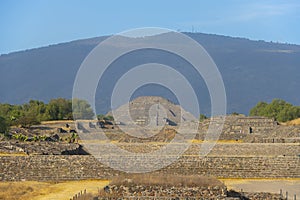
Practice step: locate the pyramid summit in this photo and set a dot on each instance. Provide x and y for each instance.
(151, 111)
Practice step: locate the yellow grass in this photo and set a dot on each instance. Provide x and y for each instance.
(57, 122)
(218, 141)
(159, 143)
(32, 190)
(293, 122)
(65, 121)
(257, 179)
(13, 154)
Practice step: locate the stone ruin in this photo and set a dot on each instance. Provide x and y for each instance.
(163, 192)
(240, 124)
(41, 148)
(152, 111)
(252, 129)
(174, 187)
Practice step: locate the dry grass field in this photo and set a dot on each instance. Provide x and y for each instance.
(13, 154)
(294, 122)
(32, 190)
(57, 122)
(195, 141)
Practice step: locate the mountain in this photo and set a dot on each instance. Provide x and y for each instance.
(252, 71)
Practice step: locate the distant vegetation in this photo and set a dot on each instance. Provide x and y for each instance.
(105, 117)
(202, 117)
(3, 125)
(36, 111)
(278, 109)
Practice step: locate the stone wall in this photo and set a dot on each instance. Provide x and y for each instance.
(242, 125)
(77, 167)
(41, 148)
(137, 192)
(222, 149)
(249, 149)
(238, 167)
(252, 129)
(163, 192)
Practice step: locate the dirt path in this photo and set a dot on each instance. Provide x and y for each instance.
(292, 186)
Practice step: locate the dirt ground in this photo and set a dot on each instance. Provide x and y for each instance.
(33, 190)
(292, 186)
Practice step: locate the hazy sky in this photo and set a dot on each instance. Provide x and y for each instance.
(26, 24)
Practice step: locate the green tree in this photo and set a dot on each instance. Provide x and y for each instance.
(3, 125)
(82, 109)
(10, 112)
(28, 119)
(36, 111)
(37, 108)
(275, 107)
(258, 109)
(288, 113)
(58, 109)
(109, 118)
(5, 110)
(278, 109)
(15, 113)
(202, 117)
(28, 114)
(100, 117)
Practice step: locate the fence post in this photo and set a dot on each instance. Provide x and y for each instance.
(287, 195)
(281, 193)
(295, 197)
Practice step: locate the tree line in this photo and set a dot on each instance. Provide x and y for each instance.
(36, 111)
(278, 109)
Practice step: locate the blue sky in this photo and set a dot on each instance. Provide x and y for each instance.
(26, 24)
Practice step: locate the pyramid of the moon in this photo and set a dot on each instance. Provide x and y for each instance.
(151, 110)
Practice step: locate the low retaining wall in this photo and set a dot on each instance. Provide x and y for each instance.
(77, 167)
(163, 192)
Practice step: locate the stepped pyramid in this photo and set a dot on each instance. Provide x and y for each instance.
(151, 111)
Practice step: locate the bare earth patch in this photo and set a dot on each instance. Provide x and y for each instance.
(292, 186)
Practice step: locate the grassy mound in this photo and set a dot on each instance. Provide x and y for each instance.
(166, 180)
